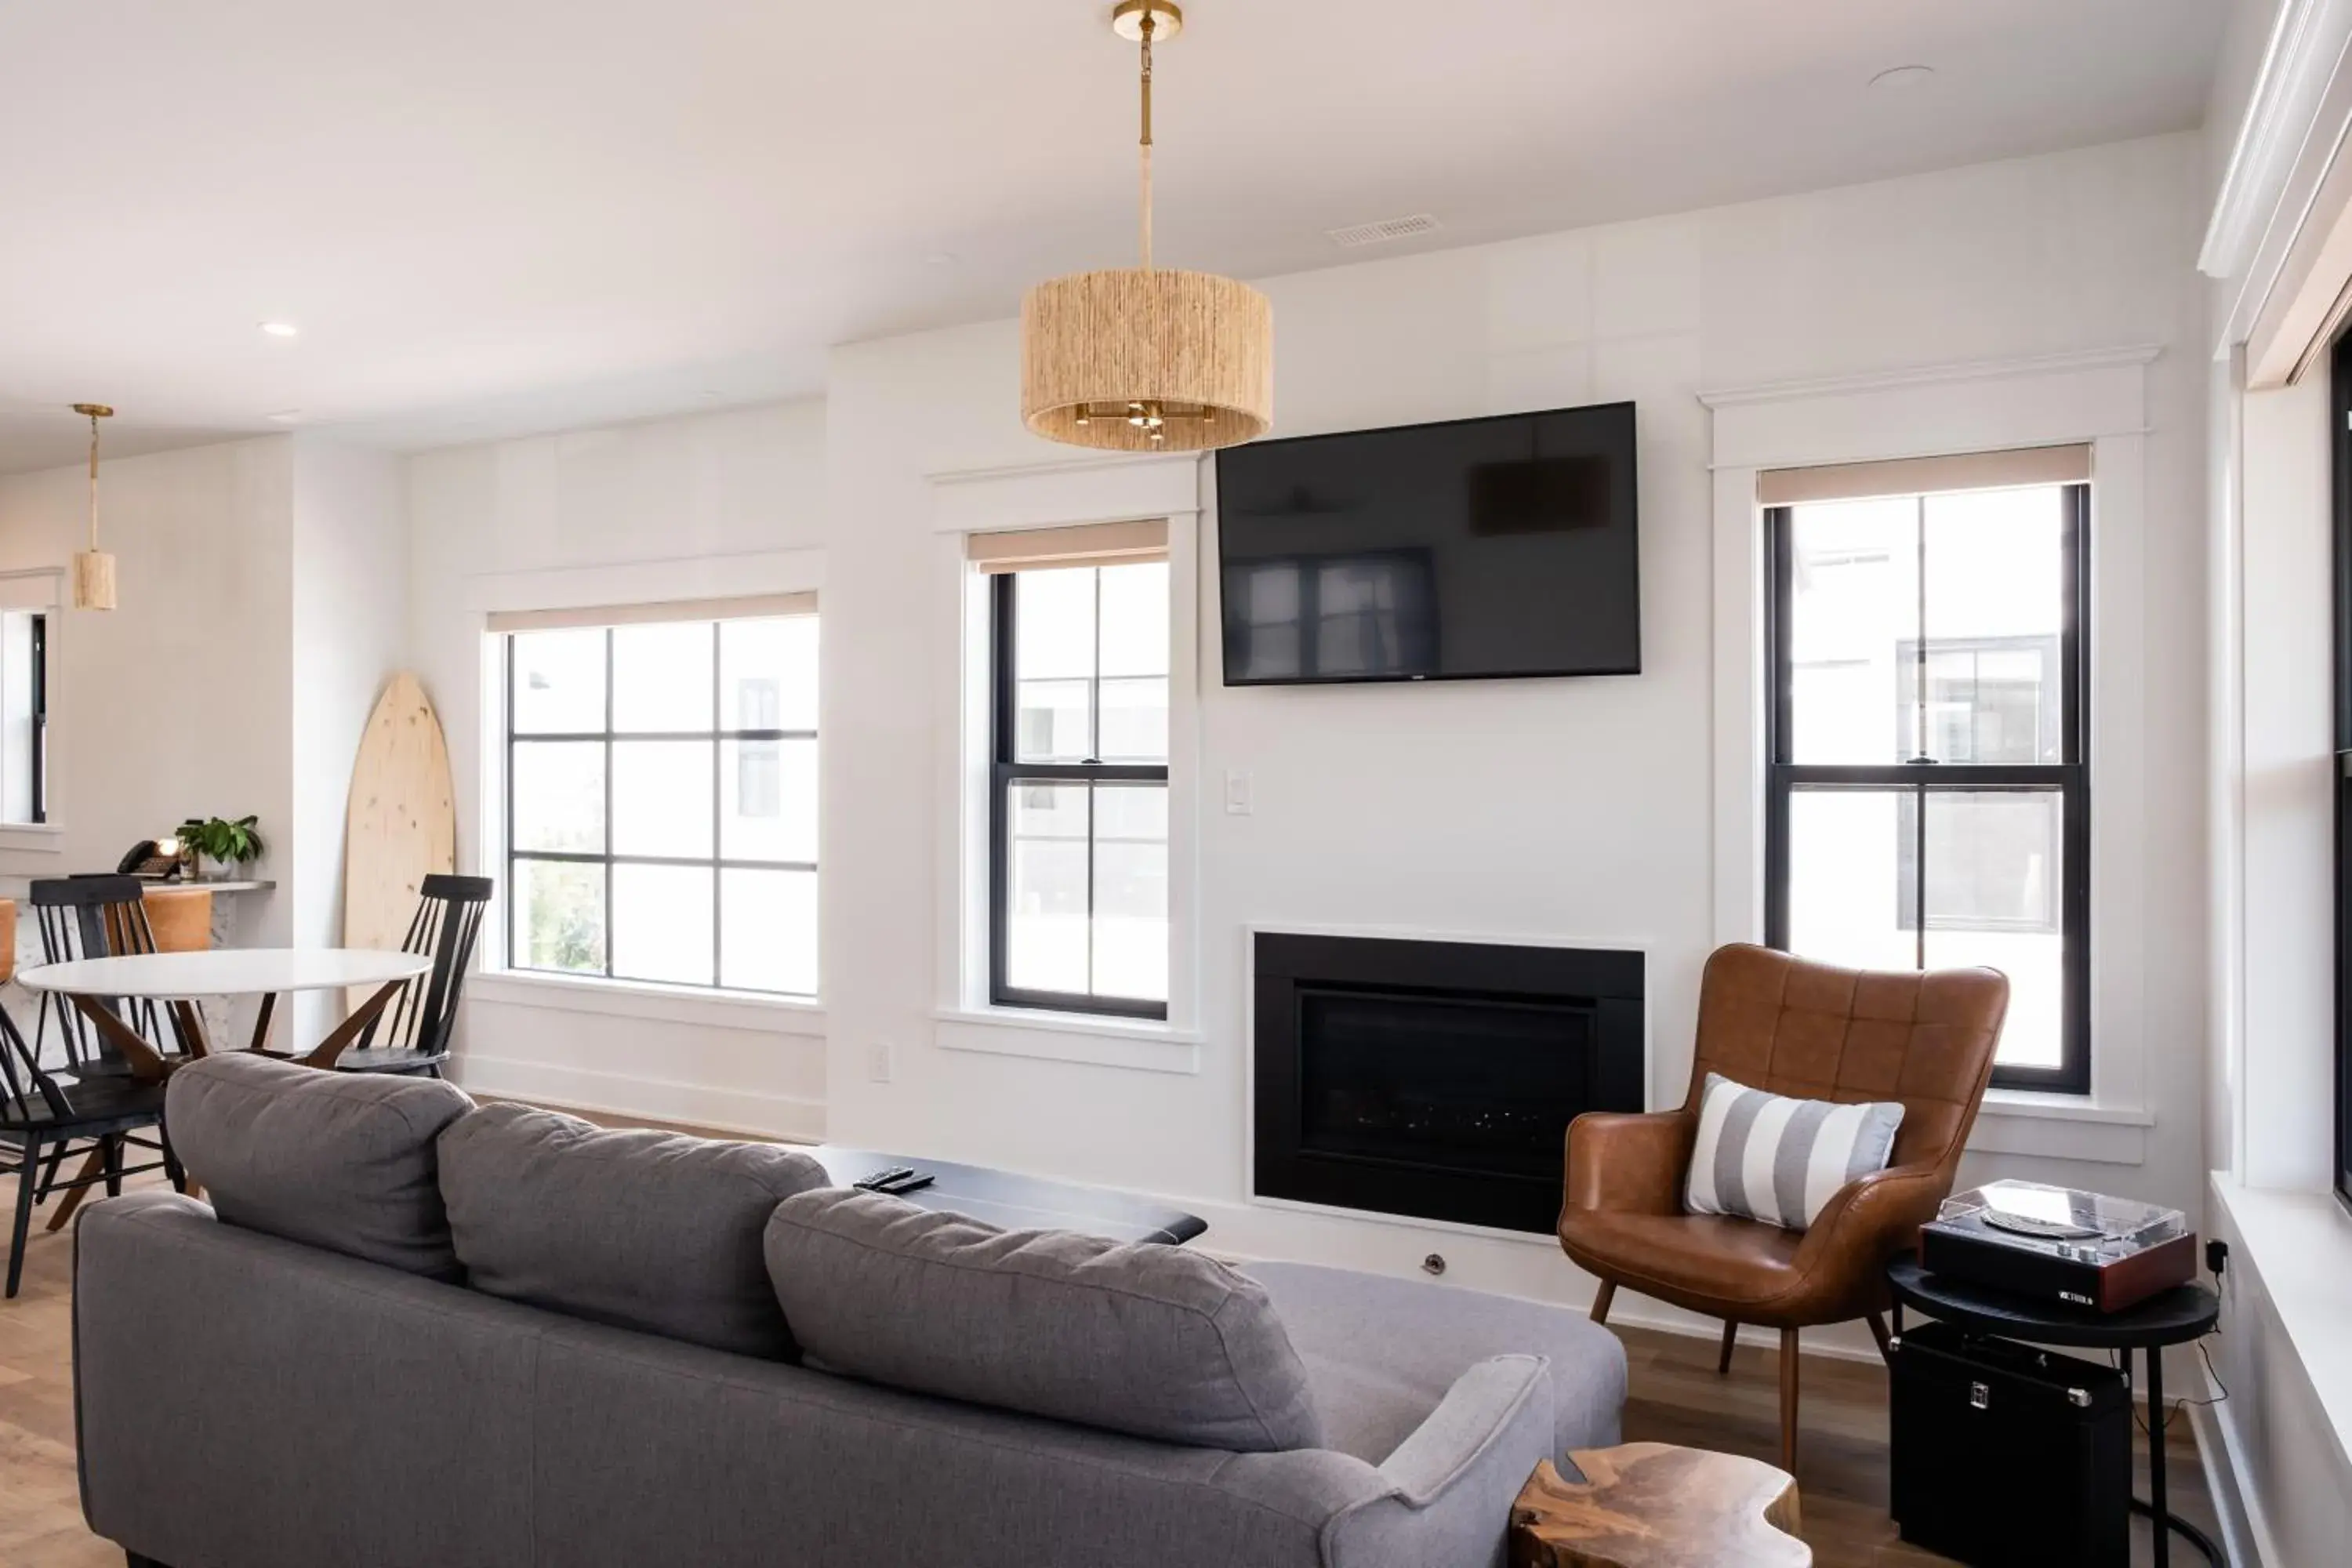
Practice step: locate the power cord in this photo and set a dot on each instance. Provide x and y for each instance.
(2217, 1258)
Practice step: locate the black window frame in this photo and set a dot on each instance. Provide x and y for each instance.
(1006, 770)
(719, 736)
(2070, 777)
(2340, 631)
(40, 761)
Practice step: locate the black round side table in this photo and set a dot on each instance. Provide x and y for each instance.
(2179, 1315)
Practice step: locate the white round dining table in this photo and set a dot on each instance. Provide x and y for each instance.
(175, 979)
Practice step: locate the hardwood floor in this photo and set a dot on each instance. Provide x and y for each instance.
(1677, 1399)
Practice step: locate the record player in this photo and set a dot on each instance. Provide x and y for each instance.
(2086, 1248)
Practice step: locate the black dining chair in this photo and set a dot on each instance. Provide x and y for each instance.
(92, 916)
(412, 1035)
(44, 1116)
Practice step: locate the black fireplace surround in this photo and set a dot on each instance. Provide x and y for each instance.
(1436, 1080)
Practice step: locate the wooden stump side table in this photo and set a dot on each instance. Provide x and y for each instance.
(1655, 1505)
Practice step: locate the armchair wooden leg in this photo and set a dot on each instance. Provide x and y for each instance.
(1731, 1334)
(1607, 1293)
(1878, 1332)
(1789, 1400)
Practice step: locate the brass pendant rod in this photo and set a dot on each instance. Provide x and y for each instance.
(93, 481)
(1147, 140)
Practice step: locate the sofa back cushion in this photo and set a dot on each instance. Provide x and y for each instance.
(343, 1160)
(646, 1230)
(1132, 1337)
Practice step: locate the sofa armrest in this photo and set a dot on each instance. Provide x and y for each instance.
(1450, 1483)
(1629, 1164)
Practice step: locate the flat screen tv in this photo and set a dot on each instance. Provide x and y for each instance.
(1468, 549)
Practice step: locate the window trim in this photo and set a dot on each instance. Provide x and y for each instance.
(712, 613)
(2340, 440)
(1004, 771)
(2070, 777)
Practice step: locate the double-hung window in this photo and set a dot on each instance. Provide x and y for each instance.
(661, 793)
(23, 715)
(1079, 768)
(1927, 799)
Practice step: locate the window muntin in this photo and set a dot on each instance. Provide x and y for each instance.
(1928, 711)
(1078, 806)
(662, 802)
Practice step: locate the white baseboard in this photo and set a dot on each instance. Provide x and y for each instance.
(2244, 1536)
(720, 1109)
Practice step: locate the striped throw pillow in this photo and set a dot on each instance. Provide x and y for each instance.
(1763, 1156)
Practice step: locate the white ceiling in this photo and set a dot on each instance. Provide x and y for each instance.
(490, 216)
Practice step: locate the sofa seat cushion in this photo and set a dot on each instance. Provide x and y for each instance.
(334, 1159)
(647, 1230)
(1134, 1337)
(1382, 1352)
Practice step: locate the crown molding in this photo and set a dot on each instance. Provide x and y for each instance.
(2306, 43)
(1932, 376)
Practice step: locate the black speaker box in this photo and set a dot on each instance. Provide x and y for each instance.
(2009, 1456)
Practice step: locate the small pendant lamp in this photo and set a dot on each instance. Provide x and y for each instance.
(1143, 358)
(93, 569)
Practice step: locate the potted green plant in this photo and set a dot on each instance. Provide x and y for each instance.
(223, 848)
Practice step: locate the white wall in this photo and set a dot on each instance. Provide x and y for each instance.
(348, 627)
(1550, 809)
(2281, 1435)
(723, 503)
(1543, 808)
(177, 704)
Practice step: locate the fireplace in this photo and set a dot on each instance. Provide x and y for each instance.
(1436, 1080)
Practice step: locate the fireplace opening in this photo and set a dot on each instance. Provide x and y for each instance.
(1436, 1080)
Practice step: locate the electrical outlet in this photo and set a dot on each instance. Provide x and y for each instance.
(881, 1061)
(1237, 793)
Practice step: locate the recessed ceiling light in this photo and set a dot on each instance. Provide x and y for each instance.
(284, 415)
(281, 328)
(1901, 77)
(941, 258)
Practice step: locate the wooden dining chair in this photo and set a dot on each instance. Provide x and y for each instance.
(45, 1117)
(92, 916)
(412, 1035)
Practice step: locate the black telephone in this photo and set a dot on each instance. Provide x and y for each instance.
(146, 860)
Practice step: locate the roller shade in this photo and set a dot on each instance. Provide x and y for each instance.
(750, 607)
(1088, 545)
(1927, 476)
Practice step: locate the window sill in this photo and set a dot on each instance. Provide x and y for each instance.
(1142, 1045)
(33, 837)
(2060, 1127)
(650, 1001)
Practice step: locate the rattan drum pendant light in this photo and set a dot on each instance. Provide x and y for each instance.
(1142, 358)
(93, 569)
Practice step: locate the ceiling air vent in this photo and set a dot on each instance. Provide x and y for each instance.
(1380, 233)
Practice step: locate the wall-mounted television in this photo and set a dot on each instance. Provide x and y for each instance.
(1469, 550)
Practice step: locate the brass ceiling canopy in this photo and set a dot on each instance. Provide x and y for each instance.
(1146, 359)
(93, 569)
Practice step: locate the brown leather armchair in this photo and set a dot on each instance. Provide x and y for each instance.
(1817, 1032)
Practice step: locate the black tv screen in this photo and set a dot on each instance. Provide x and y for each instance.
(1473, 548)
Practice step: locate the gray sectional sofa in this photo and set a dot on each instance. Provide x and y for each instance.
(407, 1331)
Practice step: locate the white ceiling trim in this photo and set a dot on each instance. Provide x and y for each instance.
(2305, 43)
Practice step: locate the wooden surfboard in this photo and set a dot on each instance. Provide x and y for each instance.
(402, 822)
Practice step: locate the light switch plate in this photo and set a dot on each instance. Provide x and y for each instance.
(881, 1061)
(1237, 793)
